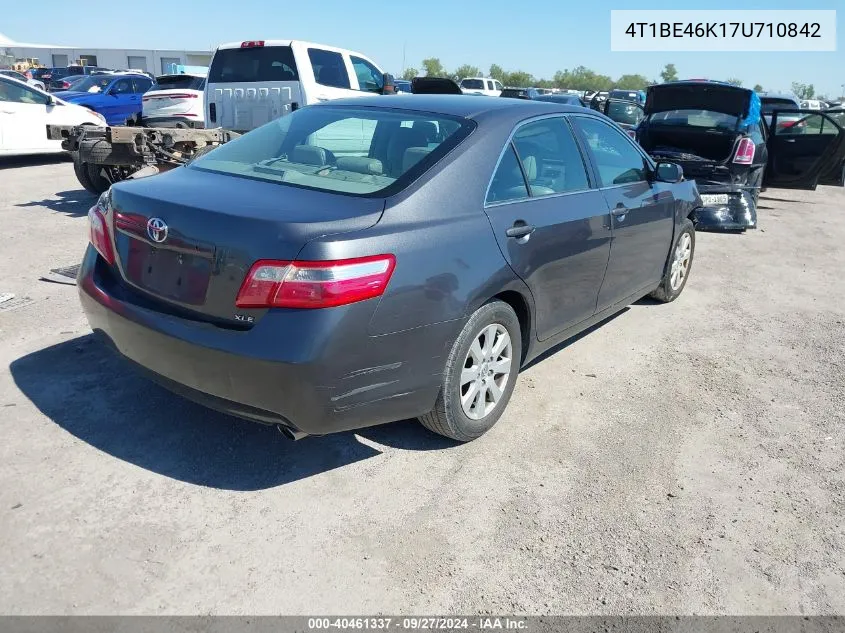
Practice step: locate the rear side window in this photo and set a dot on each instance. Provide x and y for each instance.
(551, 160)
(472, 84)
(615, 156)
(244, 65)
(329, 69)
(508, 182)
(142, 84)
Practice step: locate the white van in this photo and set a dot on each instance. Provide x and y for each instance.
(481, 86)
(254, 82)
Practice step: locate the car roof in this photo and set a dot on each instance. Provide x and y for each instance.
(458, 105)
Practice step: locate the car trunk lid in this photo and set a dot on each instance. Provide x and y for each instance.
(175, 101)
(187, 238)
(711, 96)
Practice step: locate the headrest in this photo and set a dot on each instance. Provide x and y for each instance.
(308, 155)
(413, 155)
(360, 165)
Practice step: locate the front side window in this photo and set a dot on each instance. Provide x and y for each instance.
(122, 87)
(551, 160)
(614, 154)
(498, 85)
(369, 77)
(329, 69)
(12, 92)
(333, 149)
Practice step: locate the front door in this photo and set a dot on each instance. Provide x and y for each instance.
(23, 112)
(552, 225)
(642, 211)
(117, 104)
(805, 152)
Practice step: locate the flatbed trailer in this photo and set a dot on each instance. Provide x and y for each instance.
(103, 156)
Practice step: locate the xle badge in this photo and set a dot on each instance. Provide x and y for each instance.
(244, 318)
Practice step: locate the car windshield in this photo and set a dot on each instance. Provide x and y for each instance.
(180, 82)
(472, 84)
(94, 83)
(624, 112)
(361, 151)
(696, 118)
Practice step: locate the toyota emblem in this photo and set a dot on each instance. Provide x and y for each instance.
(157, 230)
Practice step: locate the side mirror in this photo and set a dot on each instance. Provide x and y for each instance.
(388, 85)
(669, 172)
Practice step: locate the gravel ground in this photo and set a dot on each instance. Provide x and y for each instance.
(678, 459)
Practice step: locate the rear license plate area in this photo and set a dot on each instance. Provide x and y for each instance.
(714, 199)
(171, 274)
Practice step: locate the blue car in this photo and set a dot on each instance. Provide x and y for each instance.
(116, 97)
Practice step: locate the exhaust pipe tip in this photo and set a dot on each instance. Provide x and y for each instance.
(291, 434)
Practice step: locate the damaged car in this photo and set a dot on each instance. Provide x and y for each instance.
(717, 133)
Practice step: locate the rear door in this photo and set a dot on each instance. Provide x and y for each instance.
(117, 102)
(805, 152)
(331, 75)
(642, 211)
(552, 226)
(250, 86)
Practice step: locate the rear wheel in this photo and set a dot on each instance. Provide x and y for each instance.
(479, 376)
(679, 265)
(81, 171)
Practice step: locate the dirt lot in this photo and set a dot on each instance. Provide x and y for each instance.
(685, 458)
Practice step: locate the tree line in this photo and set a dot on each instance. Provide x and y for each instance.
(579, 78)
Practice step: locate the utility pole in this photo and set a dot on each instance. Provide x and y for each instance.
(403, 57)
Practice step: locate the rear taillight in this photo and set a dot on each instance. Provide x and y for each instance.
(322, 284)
(65, 84)
(100, 238)
(744, 152)
(252, 44)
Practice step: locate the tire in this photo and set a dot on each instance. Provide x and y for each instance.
(666, 292)
(99, 152)
(81, 171)
(449, 416)
(90, 178)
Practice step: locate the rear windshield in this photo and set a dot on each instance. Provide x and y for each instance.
(243, 65)
(472, 84)
(770, 105)
(180, 82)
(696, 118)
(511, 92)
(360, 151)
(624, 94)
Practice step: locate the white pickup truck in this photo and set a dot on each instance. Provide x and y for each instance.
(481, 86)
(249, 84)
(254, 82)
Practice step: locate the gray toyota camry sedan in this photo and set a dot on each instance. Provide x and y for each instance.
(369, 260)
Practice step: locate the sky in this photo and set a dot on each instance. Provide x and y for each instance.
(540, 37)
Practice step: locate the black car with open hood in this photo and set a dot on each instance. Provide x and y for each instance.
(715, 131)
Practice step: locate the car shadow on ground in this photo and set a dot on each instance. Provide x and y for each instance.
(13, 162)
(561, 346)
(87, 390)
(73, 203)
(769, 198)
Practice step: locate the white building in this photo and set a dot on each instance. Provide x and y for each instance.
(154, 61)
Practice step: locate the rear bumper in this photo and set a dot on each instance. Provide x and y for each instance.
(738, 214)
(317, 373)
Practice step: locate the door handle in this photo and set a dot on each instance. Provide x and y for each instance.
(619, 211)
(520, 229)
